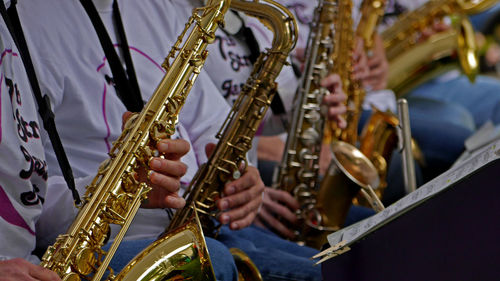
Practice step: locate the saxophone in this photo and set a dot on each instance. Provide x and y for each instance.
(235, 135)
(372, 12)
(322, 211)
(235, 140)
(115, 194)
(299, 169)
(350, 171)
(343, 66)
(378, 137)
(413, 62)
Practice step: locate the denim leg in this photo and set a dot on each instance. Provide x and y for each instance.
(440, 129)
(357, 213)
(222, 260)
(481, 98)
(126, 252)
(276, 258)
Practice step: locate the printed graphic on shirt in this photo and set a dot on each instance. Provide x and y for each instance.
(27, 130)
(26, 171)
(232, 78)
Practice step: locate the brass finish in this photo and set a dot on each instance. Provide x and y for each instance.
(435, 56)
(247, 270)
(348, 172)
(235, 136)
(378, 140)
(431, 56)
(331, 38)
(179, 255)
(115, 194)
(299, 168)
(343, 66)
(372, 12)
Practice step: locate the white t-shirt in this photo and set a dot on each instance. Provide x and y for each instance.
(23, 169)
(76, 76)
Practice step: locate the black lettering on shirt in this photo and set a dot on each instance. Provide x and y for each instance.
(236, 61)
(36, 165)
(31, 198)
(26, 130)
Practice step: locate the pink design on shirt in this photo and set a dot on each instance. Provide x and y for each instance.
(99, 67)
(108, 130)
(1, 83)
(148, 57)
(9, 213)
(5, 52)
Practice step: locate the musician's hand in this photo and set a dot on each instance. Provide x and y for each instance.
(360, 61)
(278, 203)
(242, 197)
(335, 100)
(378, 66)
(165, 173)
(325, 157)
(20, 270)
(242, 200)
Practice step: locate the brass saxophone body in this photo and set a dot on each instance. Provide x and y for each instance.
(343, 66)
(322, 210)
(372, 12)
(413, 61)
(115, 194)
(378, 137)
(350, 170)
(299, 169)
(236, 133)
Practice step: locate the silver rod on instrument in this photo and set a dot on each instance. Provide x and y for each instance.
(404, 132)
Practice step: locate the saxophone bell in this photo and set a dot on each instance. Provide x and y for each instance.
(349, 171)
(179, 255)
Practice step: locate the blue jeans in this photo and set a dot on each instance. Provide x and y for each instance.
(276, 258)
(222, 260)
(440, 129)
(481, 99)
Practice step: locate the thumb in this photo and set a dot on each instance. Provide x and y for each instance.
(209, 149)
(125, 117)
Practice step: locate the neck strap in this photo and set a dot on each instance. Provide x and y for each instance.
(13, 23)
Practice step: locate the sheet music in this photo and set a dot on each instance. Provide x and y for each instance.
(350, 234)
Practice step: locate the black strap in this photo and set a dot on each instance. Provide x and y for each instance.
(247, 35)
(11, 18)
(132, 77)
(127, 88)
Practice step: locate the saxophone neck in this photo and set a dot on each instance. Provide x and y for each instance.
(372, 12)
(278, 19)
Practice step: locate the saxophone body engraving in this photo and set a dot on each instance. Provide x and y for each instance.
(115, 194)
